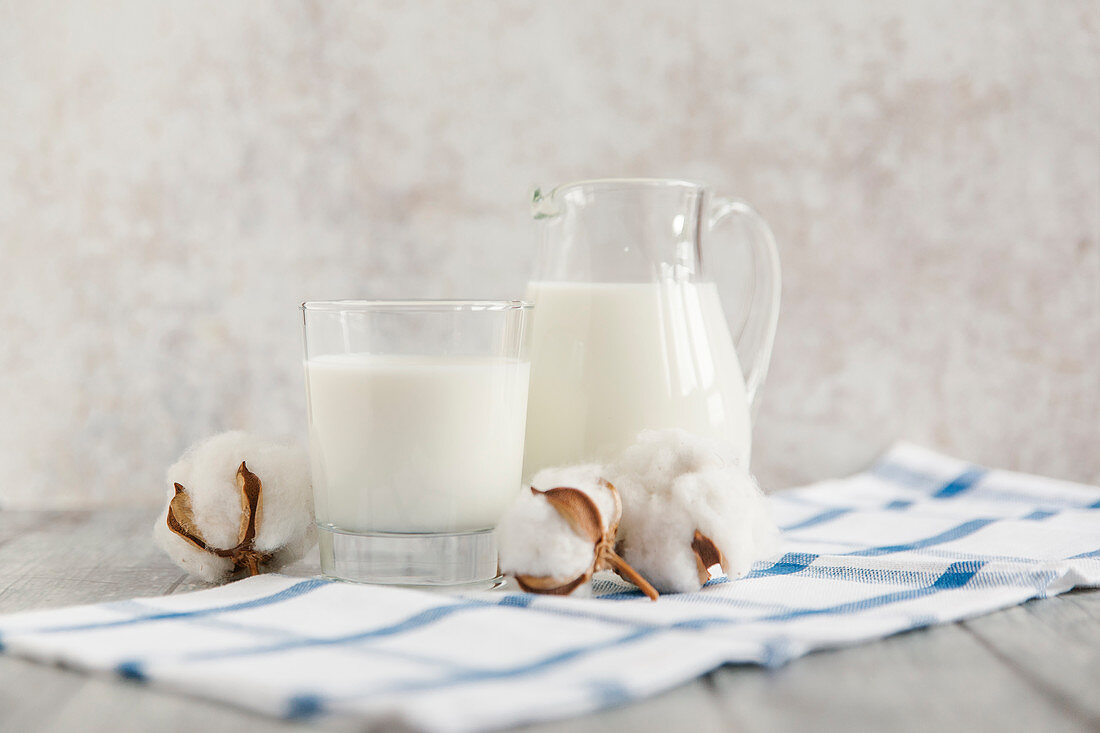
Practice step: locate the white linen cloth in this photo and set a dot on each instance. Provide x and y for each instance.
(918, 539)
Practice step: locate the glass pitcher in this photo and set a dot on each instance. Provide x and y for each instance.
(629, 330)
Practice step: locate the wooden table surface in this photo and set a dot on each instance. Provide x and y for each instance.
(1035, 667)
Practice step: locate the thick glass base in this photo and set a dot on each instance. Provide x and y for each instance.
(446, 560)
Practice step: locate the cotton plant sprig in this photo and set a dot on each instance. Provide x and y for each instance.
(237, 503)
(667, 512)
(181, 520)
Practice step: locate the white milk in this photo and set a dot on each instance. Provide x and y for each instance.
(415, 443)
(609, 359)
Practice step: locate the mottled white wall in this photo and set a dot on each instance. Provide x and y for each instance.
(176, 177)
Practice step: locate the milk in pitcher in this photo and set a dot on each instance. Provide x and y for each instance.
(610, 359)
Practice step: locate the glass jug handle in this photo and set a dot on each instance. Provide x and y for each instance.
(754, 345)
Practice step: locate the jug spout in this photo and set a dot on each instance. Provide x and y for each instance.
(543, 205)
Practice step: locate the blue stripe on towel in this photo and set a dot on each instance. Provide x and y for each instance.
(958, 532)
(792, 562)
(304, 707)
(570, 654)
(776, 651)
(956, 576)
(131, 670)
(608, 692)
(418, 620)
(294, 591)
(1003, 579)
(960, 483)
(825, 516)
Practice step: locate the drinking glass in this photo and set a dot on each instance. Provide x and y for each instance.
(417, 411)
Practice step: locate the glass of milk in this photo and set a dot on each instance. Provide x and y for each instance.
(417, 411)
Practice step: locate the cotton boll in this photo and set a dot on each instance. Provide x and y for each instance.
(584, 477)
(659, 457)
(284, 530)
(562, 530)
(287, 530)
(656, 540)
(535, 540)
(674, 485)
(730, 509)
(587, 477)
(190, 559)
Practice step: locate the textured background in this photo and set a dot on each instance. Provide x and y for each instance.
(175, 178)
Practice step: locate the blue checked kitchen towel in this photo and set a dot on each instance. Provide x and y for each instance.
(918, 539)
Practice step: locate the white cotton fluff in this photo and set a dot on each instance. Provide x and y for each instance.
(673, 483)
(535, 540)
(208, 472)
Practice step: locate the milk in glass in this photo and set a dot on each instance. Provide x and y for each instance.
(415, 443)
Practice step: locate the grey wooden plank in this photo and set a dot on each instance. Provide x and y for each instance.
(939, 678)
(30, 693)
(68, 558)
(1054, 645)
(14, 524)
(692, 707)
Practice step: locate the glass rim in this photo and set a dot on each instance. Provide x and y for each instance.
(624, 183)
(413, 305)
